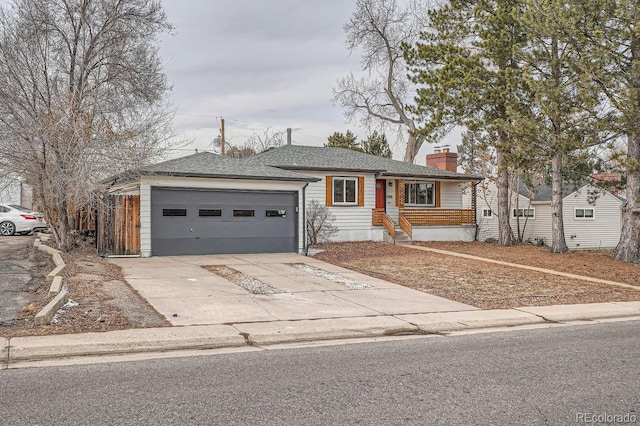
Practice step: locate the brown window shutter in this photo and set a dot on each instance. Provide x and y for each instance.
(400, 193)
(437, 194)
(329, 194)
(361, 191)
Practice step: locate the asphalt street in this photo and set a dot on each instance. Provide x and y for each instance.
(15, 275)
(555, 376)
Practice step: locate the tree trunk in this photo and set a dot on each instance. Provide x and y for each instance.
(63, 228)
(413, 144)
(505, 234)
(558, 241)
(628, 248)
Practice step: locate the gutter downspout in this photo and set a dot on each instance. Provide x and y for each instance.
(305, 244)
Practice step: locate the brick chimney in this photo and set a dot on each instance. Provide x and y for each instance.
(443, 159)
(600, 178)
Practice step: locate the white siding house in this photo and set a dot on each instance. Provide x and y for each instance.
(395, 198)
(487, 211)
(587, 225)
(353, 221)
(595, 225)
(13, 190)
(206, 204)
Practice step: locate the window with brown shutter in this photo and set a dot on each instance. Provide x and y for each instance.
(345, 191)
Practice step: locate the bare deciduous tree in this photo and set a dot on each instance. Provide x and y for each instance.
(378, 29)
(320, 227)
(268, 139)
(239, 151)
(82, 96)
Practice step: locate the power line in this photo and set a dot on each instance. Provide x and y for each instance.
(248, 125)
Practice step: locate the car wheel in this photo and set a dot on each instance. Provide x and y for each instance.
(7, 228)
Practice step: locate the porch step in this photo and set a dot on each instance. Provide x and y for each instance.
(401, 237)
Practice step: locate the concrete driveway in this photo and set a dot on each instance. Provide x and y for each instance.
(297, 288)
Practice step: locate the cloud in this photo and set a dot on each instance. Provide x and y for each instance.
(260, 64)
(270, 62)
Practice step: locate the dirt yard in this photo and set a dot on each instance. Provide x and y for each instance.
(486, 285)
(105, 301)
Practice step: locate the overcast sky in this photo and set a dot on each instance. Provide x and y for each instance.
(258, 64)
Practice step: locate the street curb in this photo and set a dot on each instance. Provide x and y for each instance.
(202, 337)
(276, 332)
(47, 313)
(35, 348)
(440, 322)
(591, 311)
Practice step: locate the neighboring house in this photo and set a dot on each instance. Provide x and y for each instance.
(590, 222)
(206, 204)
(13, 190)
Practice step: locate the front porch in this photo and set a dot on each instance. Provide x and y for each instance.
(429, 217)
(408, 219)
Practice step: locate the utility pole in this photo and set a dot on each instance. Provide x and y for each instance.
(222, 136)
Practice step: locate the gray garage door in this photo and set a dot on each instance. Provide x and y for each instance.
(216, 222)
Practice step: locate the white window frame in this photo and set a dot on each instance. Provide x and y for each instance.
(584, 217)
(487, 213)
(519, 212)
(408, 203)
(344, 179)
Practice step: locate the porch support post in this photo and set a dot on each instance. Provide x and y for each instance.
(474, 202)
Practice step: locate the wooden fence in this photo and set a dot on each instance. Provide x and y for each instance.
(118, 225)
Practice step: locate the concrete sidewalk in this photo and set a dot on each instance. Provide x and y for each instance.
(18, 350)
(316, 302)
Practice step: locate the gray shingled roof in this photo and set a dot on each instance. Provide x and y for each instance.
(544, 192)
(206, 164)
(296, 157)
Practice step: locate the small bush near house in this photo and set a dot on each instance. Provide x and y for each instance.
(320, 227)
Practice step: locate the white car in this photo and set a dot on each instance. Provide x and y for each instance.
(16, 219)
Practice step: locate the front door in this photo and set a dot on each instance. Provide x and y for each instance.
(380, 193)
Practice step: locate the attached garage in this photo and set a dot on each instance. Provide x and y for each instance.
(199, 221)
(208, 204)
